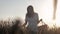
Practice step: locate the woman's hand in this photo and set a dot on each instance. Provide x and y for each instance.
(40, 19)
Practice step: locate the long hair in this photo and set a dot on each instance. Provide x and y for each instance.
(30, 10)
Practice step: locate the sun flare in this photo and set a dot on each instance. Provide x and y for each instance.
(46, 13)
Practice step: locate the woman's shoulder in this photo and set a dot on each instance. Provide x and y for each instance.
(36, 13)
(26, 14)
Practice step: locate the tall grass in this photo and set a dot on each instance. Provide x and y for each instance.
(15, 27)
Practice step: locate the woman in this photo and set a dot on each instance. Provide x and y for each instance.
(32, 20)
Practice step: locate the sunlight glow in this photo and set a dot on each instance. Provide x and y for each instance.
(47, 14)
(58, 14)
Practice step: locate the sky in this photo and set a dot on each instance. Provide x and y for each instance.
(18, 8)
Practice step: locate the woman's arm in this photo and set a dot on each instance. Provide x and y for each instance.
(25, 23)
(25, 20)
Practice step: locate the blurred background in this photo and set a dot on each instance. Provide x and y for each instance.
(13, 8)
(18, 8)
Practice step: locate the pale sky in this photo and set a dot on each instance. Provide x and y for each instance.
(44, 8)
(19, 7)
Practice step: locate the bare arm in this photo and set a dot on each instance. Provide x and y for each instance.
(25, 23)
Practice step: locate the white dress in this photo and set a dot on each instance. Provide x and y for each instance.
(32, 22)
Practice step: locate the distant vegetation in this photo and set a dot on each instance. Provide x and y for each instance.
(14, 26)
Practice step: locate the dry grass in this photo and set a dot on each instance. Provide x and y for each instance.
(14, 27)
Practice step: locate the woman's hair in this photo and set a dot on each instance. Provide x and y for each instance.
(30, 10)
(30, 7)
